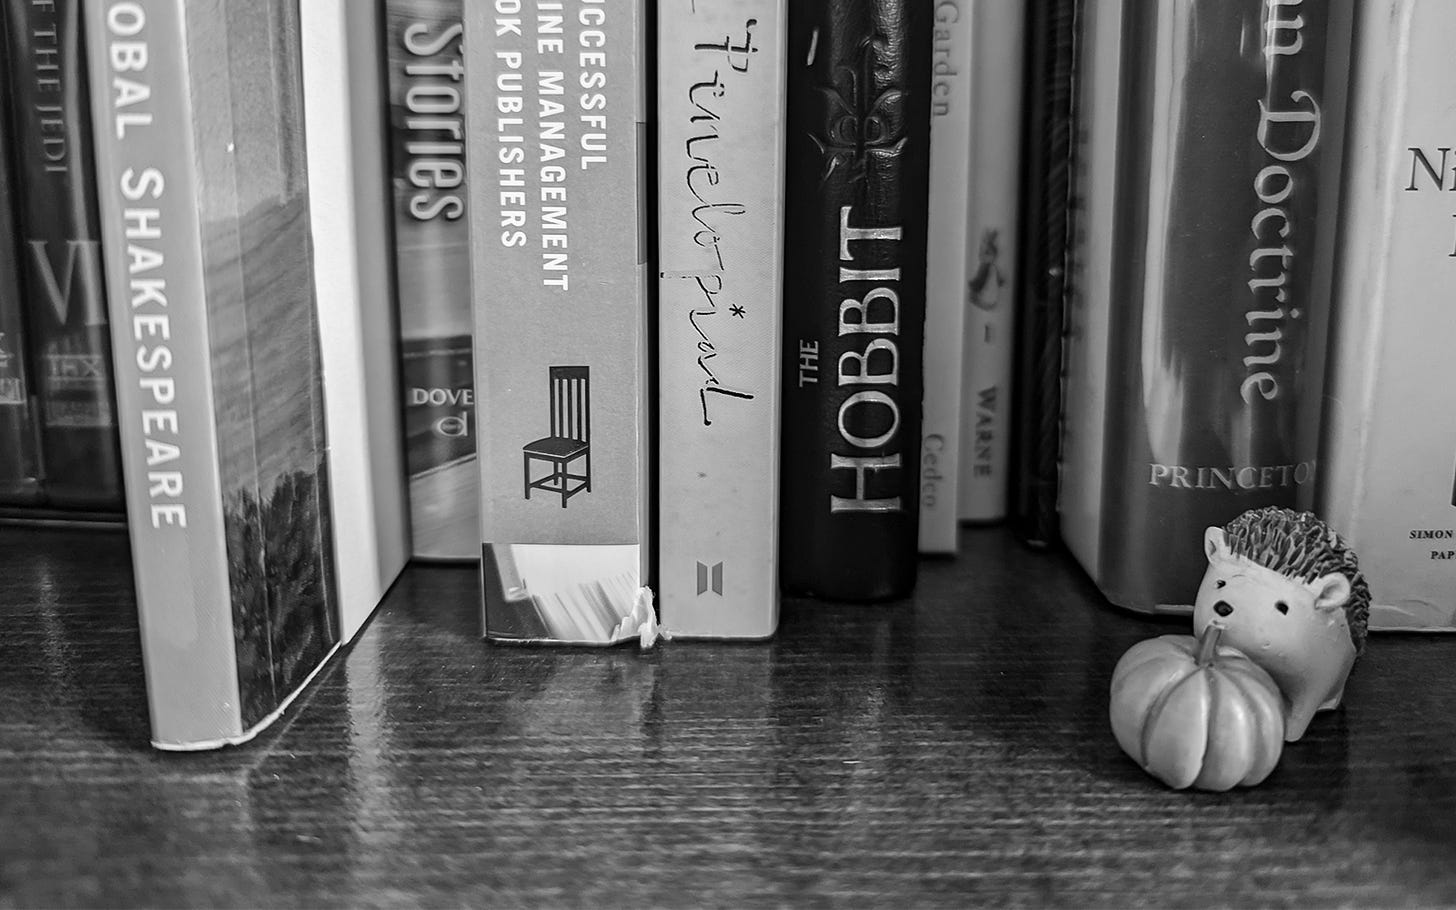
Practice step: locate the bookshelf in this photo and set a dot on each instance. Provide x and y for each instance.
(950, 749)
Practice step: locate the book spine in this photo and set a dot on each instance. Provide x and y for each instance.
(61, 255)
(205, 220)
(854, 292)
(947, 287)
(1093, 213)
(426, 71)
(998, 32)
(1386, 483)
(557, 225)
(1226, 200)
(1041, 271)
(720, 205)
(19, 465)
(349, 217)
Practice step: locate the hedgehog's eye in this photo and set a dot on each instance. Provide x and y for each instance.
(1281, 606)
(1220, 583)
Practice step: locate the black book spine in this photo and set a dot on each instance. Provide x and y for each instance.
(1042, 270)
(19, 482)
(1227, 197)
(854, 295)
(60, 254)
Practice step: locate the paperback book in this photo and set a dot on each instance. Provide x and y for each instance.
(424, 52)
(201, 162)
(947, 285)
(854, 292)
(1388, 482)
(558, 224)
(720, 140)
(997, 31)
(349, 221)
(1209, 184)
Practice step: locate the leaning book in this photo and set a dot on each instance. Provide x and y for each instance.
(1389, 477)
(720, 221)
(560, 288)
(208, 258)
(1207, 164)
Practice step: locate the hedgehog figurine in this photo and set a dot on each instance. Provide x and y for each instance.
(1289, 594)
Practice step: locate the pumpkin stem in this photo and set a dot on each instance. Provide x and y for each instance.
(1208, 643)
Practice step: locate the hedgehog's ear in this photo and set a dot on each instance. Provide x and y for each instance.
(1215, 545)
(1330, 591)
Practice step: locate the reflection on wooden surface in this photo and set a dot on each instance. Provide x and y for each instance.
(951, 747)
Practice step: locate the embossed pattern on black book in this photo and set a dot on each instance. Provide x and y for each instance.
(854, 296)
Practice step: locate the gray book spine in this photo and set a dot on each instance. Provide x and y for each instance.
(426, 71)
(558, 235)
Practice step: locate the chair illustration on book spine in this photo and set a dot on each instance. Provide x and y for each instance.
(570, 437)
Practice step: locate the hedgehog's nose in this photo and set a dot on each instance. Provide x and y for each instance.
(1223, 608)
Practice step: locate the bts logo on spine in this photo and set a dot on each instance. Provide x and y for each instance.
(710, 578)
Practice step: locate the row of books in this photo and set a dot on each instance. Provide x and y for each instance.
(1256, 254)
(671, 330)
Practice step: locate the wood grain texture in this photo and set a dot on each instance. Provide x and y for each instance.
(949, 749)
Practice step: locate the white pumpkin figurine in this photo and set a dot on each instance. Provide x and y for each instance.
(1288, 592)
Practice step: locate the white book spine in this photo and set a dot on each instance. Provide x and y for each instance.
(354, 283)
(1390, 448)
(998, 34)
(721, 81)
(946, 280)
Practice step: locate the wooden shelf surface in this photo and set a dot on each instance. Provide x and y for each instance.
(953, 748)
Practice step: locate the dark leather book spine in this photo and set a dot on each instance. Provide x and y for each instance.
(60, 254)
(19, 478)
(1224, 241)
(854, 296)
(1041, 270)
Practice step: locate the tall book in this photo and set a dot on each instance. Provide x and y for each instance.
(854, 296)
(1209, 194)
(61, 255)
(1387, 481)
(947, 284)
(19, 467)
(998, 32)
(349, 220)
(423, 51)
(720, 140)
(558, 224)
(205, 217)
(1041, 268)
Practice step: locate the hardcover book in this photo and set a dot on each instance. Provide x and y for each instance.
(854, 296)
(558, 227)
(1036, 410)
(997, 32)
(349, 219)
(61, 255)
(720, 141)
(1387, 483)
(19, 469)
(205, 218)
(947, 272)
(1209, 190)
(426, 65)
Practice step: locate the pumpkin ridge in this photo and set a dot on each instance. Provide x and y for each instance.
(1253, 689)
(1215, 684)
(1155, 713)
